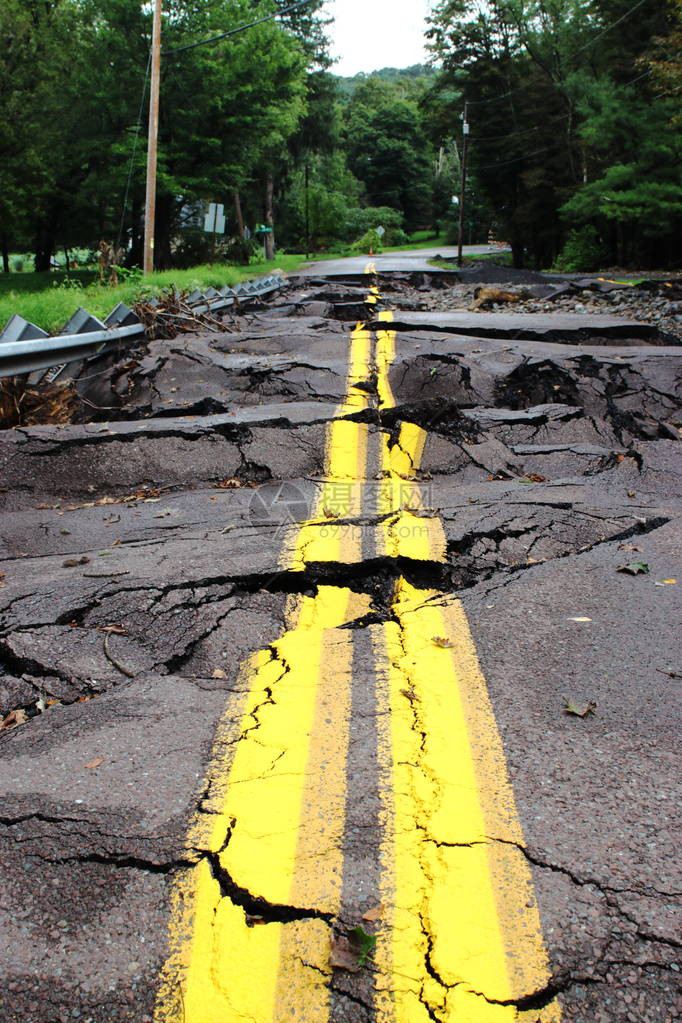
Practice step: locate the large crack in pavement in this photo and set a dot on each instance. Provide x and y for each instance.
(551, 459)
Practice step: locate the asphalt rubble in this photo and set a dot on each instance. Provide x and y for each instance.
(141, 550)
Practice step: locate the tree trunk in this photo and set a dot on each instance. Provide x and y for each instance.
(238, 213)
(270, 236)
(135, 253)
(163, 229)
(517, 252)
(44, 249)
(5, 253)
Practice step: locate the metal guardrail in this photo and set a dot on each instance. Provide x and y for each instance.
(27, 348)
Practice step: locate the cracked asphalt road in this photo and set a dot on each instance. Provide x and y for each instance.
(294, 629)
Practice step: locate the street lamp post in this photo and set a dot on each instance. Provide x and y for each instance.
(463, 181)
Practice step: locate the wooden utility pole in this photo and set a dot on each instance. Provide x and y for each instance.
(463, 181)
(150, 201)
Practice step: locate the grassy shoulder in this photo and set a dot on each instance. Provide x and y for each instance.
(49, 299)
(500, 258)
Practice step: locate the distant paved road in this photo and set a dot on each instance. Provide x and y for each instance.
(414, 259)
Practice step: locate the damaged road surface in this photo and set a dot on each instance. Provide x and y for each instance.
(341, 673)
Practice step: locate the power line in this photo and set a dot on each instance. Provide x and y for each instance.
(550, 120)
(136, 138)
(241, 28)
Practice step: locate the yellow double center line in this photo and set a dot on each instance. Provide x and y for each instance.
(460, 936)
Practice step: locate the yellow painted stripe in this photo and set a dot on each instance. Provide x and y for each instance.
(450, 892)
(340, 497)
(286, 776)
(462, 930)
(408, 530)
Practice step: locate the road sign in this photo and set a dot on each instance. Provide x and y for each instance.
(214, 221)
(381, 231)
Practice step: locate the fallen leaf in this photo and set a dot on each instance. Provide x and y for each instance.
(94, 763)
(579, 710)
(14, 718)
(375, 913)
(442, 642)
(219, 673)
(350, 952)
(578, 619)
(632, 493)
(73, 562)
(634, 568)
(117, 629)
(329, 513)
(535, 477)
(365, 943)
(628, 547)
(343, 955)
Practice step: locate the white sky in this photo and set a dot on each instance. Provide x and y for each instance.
(370, 34)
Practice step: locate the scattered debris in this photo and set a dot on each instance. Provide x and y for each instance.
(94, 763)
(670, 674)
(22, 404)
(169, 314)
(14, 718)
(442, 642)
(350, 952)
(375, 913)
(582, 710)
(117, 664)
(484, 297)
(634, 568)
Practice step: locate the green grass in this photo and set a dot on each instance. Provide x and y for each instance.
(501, 258)
(48, 300)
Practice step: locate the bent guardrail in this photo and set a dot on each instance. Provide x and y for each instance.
(27, 348)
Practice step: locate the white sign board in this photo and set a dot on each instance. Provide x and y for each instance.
(215, 218)
(381, 231)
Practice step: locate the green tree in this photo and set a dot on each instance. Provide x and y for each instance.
(389, 152)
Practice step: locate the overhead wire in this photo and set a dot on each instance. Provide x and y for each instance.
(136, 139)
(239, 28)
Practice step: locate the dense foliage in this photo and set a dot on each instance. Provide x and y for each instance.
(573, 107)
(572, 110)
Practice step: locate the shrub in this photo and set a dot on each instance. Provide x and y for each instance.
(583, 251)
(369, 240)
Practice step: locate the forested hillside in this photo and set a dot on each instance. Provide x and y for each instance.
(574, 154)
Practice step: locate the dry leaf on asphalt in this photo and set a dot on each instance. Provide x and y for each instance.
(375, 913)
(219, 673)
(94, 763)
(118, 630)
(344, 955)
(14, 718)
(579, 710)
(443, 642)
(628, 547)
